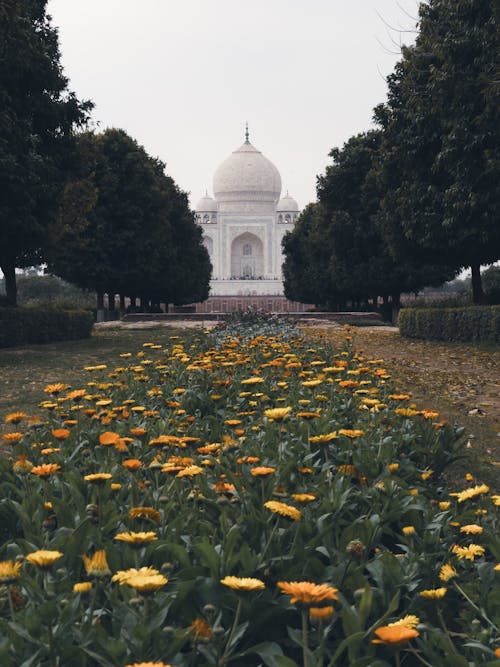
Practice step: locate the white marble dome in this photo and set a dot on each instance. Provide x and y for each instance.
(206, 204)
(287, 204)
(247, 176)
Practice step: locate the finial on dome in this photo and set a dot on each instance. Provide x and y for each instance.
(246, 133)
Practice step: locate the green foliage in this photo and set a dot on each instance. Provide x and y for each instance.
(36, 290)
(22, 326)
(471, 324)
(38, 118)
(440, 160)
(125, 227)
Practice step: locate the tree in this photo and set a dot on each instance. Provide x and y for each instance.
(38, 116)
(125, 227)
(441, 139)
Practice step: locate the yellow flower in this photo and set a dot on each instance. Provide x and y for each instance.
(9, 571)
(303, 497)
(496, 500)
(122, 575)
(82, 587)
(253, 380)
(409, 621)
(393, 467)
(307, 593)
(283, 509)
(325, 437)
(320, 614)
(22, 465)
(277, 413)
(311, 383)
(447, 572)
(144, 513)
(394, 635)
(136, 539)
(43, 558)
(406, 412)
(351, 432)
(12, 438)
(467, 494)
(243, 584)
(190, 471)
(55, 389)
(468, 553)
(308, 415)
(98, 477)
(471, 529)
(433, 593)
(409, 530)
(96, 565)
(146, 583)
(444, 505)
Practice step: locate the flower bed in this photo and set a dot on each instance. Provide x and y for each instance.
(244, 497)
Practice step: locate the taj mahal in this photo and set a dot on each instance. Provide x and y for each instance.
(244, 223)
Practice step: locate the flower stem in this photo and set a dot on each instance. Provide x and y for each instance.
(305, 643)
(11, 604)
(233, 628)
(480, 611)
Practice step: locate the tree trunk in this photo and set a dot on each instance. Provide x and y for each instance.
(122, 303)
(396, 305)
(111, 301)
(9, 273)
(100, 300)
(477, 284)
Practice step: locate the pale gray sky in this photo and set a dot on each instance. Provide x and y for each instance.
(183, 76)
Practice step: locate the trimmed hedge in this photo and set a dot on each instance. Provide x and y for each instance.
(22, 326)
(469, 324)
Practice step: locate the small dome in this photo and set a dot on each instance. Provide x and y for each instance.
(245, 176)
(206, 205)
(287, 204)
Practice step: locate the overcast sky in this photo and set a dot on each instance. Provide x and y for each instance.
(183, 76)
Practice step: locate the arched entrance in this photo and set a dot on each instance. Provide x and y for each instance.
(247, 257)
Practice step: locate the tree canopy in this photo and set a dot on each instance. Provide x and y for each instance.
(38, 116)
(125, 227)
(441, 137)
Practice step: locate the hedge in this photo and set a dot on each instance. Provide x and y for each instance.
(21, 326)
(468, 324)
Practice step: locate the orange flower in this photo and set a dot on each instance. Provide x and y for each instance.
(307, 593)
(262, 471)
(138, 432)
(12, 438)
(108, 438)
(61, 433)
(15, 417)
(132, 464)
(394, 635)
(98, 477)
(22, 465)
(320, 614)
(55, 389)
(97, 564)
(351, 432)
(144, 513)
(46, 469)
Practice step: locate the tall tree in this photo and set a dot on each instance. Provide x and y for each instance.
(125, 227)
(441, 139)
(38, 115)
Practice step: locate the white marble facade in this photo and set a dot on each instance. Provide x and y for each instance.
(244, 223)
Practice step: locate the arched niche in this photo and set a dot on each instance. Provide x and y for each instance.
(247, 257)
(209, 245)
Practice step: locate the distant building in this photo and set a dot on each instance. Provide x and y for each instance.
(244, 223)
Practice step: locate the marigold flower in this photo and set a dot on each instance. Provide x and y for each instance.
(473, 492)
(447, 572)
(351, 432)
(471, 529)
(394, 635)
(61, 433)
(108, 438)
(400, 397)
(248, 459)
(408, 530)
(136, 539)
(468, 553)
(406, 412)
(253, 380)
(76, 394)
(10, 570)
(304, 497)
(201, 629)
(22, 465)
(325, 437)
(393, 467)
(311, 383)
(444, 505)
(82, 587)
(283, 509)
(15, 417)
(138, 432)
(319, 614)
(496, 500)
(146, 583)
(46, 469)
(190, 471)
(97, 564)
(98, 477)
(122, 575)
(44, 559)
(144, 513)
(262, 471)
(307, 593)
(12, 438)
(277, 414)
(433, 593)
(243, 583)
(55, 389)
(408, 621)
(132, 464)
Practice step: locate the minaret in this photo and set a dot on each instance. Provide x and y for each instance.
(246, 133)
